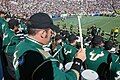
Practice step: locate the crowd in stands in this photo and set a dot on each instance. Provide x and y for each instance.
(58, 7)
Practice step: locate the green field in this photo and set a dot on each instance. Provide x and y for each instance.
(105, 23)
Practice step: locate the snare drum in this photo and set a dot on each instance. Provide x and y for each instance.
(68, 66)
(89, 75)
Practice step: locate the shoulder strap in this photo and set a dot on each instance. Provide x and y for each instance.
(45, 54)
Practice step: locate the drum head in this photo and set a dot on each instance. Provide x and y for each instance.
(68, 65)
(89, 74)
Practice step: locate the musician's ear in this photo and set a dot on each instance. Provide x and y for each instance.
(43, 33)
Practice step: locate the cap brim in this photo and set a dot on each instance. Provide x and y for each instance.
(45, 26)
(55, 28)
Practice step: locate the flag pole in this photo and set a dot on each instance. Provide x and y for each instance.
(80, 30)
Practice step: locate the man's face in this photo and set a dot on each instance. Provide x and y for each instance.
(74, 42)
(16, 28)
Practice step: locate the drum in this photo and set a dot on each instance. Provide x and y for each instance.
(89, 75)
(68, 66)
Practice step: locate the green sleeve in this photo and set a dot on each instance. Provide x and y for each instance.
(62, 75)
(7, 36)
(10, 49)
(3, 25)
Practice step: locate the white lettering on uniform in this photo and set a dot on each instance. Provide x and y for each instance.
(118, 77)
(67, 52)
(95, 56)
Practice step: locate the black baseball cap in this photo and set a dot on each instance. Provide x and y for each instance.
(41, 21)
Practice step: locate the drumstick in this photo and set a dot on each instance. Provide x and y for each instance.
(57, 52)
(80, 31)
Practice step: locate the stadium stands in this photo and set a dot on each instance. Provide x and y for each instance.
(58, 7)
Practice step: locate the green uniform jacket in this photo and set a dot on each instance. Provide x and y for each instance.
(3, 26)
(95, 57)
(50, 70)
(69, 52)
(8, 35)
(10, 49)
